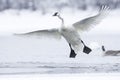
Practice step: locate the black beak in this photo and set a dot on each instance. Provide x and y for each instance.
(55, 14)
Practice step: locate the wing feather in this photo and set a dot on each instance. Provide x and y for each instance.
(52, 33)
(89, 22)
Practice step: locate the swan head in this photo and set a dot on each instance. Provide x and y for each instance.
(103, 48)
(56, 14)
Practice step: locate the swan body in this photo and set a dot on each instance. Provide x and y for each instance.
(110, 52)
(71, 33)
(71, 36)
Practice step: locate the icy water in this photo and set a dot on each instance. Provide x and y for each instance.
(55, 68)
(19, 55)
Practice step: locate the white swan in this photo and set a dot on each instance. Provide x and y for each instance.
(71, 33)
(110, 52)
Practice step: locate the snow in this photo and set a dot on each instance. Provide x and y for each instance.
(26, 21)
(62, 77)
(36, 55)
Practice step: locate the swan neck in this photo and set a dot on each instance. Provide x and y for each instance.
(103, 48)
(62, 24)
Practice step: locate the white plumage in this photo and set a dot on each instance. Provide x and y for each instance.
(71, 33)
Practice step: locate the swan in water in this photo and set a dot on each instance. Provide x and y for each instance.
(110, 52)
(71, 33)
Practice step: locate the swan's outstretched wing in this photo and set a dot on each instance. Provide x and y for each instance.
(54, 33)
(89, 22)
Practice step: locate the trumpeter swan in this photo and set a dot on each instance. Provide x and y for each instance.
(110, 52)
(71, 33)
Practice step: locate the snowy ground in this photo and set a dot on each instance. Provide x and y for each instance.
(26, 55)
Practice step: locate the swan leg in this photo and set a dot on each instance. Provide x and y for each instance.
(86, 49)
(72, 53)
